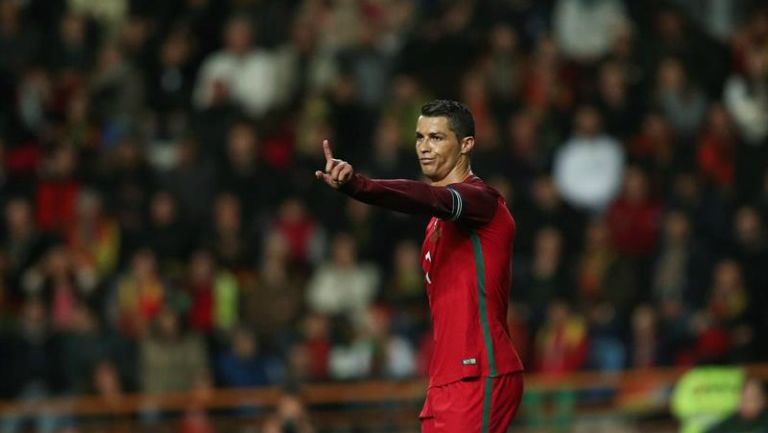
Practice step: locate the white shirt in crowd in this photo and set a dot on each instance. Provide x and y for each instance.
(587, 29)
(588, 171)
(248, 78)
(337, 290)
(749, 108)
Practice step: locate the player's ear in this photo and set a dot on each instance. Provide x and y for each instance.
(467, 144)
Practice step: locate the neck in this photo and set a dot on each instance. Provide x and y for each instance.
(460, 172)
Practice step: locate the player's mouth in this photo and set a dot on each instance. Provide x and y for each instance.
(426, 161)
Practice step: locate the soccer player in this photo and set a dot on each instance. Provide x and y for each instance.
(475, 375)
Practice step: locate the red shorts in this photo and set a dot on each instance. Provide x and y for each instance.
(478, 405)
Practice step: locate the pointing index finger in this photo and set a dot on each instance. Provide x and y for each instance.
(327, 151)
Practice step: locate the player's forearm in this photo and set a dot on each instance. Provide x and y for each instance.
(408, 196)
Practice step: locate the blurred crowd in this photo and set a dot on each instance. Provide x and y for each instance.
(163, 231)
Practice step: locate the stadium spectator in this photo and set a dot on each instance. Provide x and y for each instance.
(717, 147)
(273, 304)
(60, 285)
(751, 414)
(83, 349)
(561, 342)
(343, 286)
(171, 359)
(166, 233)
(229, 237)
(290, 416)
(681, 101)
(596, 269)
(393, 357)
(586, 29)
(241, 70)
(633, 217)
(243, 365)
(214, 295)
(138, 295)
(588, 167)
(545, 277)
(746, 98)
(751, 246)
(676, 274)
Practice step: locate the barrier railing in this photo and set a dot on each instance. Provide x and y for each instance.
(348, 396)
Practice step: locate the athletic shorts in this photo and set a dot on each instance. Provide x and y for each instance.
(476, 405)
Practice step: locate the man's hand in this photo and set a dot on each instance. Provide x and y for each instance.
(337, 172)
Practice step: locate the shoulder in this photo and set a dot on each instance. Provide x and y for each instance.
(476, 185)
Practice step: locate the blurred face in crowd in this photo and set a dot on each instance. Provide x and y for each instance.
(545, 194)
(635, 185)
(88, 206)
(62, 162)
(503, 38)
(612, 85)
(669, 24)
(718, 120)
(343, 250)
(644, 320)
(671, 75)
(727, 277)
(33, 311)
(106, 379)
(358, 211)
(162, 209)
(18, 216)
(241, 145)
(522, 131)
(175, 50)
(558, 313)
(387, 138)
(547, 252)
(110, 58)
(596, 235)
(292, 210)
(144, 264)
(316, 326)
(676, 227)
(9, 13)
(238, 36)
(757, 64)
(406, 256)
(588, 122)
(438, 147)
(752, 399)
(168, 324)
(202, 266)
(405, 88)
(72, 29)
(58, 261)
(748, 226)
(243, 344)
(377, 322)
(227, 213)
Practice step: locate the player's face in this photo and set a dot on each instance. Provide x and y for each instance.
(437, 147)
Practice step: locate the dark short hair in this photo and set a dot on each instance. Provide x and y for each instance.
(459, 116)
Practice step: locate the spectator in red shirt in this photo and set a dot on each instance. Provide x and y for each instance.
(633, 218)
(716, 146)
(58, 191)
(561, 343)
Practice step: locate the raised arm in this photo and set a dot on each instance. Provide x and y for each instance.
(469, 204)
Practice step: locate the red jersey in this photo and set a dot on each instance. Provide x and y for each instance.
(466, 258)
